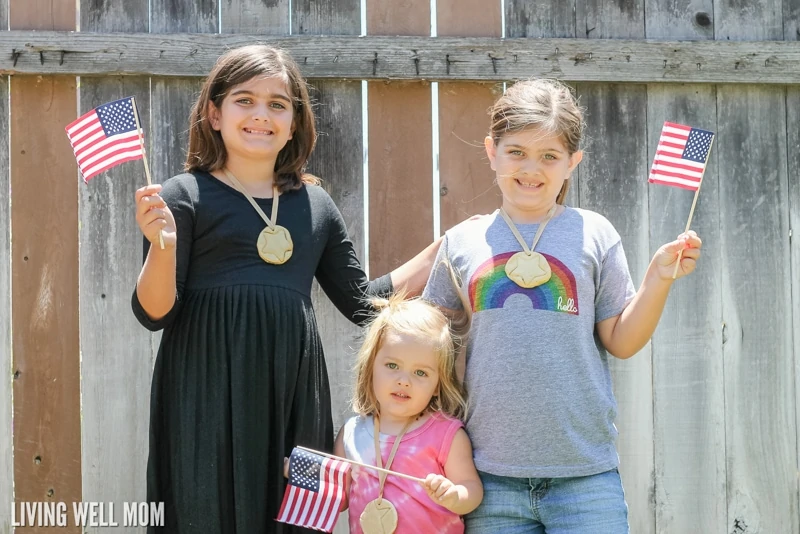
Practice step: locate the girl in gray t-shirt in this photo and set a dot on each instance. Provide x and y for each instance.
(550, 294)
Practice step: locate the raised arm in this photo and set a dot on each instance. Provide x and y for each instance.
(625, 334)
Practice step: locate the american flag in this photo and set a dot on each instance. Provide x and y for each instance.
(315, 491)
(681, 156)
(104, 137)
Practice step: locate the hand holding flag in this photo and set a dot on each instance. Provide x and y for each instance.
(106, 136)
(681, 158)
(315, 491)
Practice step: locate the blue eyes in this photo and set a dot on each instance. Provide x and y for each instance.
(274, 105)
(391, 365)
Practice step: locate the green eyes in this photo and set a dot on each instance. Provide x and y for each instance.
(419, 372)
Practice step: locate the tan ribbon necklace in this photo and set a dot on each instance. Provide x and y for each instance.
(274, 242)
(528, 268)
(380, 516)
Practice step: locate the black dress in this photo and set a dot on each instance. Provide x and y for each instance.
(240, 376)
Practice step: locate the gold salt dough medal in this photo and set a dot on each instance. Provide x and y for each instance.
(274, 243)
(528, 268)
(380, 516)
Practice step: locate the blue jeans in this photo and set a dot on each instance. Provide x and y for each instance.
(581, 505)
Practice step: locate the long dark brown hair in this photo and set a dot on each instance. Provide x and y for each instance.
(207, 150)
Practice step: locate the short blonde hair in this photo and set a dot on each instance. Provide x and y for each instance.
(424, 322)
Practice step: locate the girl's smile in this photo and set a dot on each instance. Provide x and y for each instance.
(531, 167)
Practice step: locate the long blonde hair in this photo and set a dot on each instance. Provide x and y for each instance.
(424, 322)
(545, 104)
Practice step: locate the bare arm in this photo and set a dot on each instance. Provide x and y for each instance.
(625, 334)
(156, 286)
(461, 491)
(412, 276)
(338, 450)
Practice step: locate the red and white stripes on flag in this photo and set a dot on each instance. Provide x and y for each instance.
(315, 491)
(681, 156)
(104, 137)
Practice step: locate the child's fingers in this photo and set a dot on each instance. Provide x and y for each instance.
(442, 490)
(148, 190)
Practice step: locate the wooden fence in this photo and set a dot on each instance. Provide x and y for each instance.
(708, 411)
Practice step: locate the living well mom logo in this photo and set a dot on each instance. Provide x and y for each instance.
(489, 287)
(87, 514)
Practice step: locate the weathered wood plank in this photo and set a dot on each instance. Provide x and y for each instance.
(752, 20)
(338, 160)
(679, 19)
(199, 16)
(791, 20)
(3, 14)
(466, 183)
(761, 437)
(44, 267)
(540, 19)
(400, 187)
(6, 408)
(255, 16)
(793, 142)
(609, 19)
(687, 346)
(332, 17)
(44, 281)
(611, 181)
(440, 58)
(116, 352)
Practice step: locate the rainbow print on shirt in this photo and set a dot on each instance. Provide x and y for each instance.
(489, 287)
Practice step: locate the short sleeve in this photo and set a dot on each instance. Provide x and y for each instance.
(179, 200)
(615, 288)
(453, 426)
(441, 289)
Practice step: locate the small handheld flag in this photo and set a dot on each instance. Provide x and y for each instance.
(681, 158)
(105, 136)
(315, 491)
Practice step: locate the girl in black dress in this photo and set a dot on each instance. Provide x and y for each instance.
(240, 376)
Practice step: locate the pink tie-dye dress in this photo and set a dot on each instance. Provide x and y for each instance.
(422, 450)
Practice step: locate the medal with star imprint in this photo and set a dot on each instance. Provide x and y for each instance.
(528, 268)
(380, 516)
(274, 242)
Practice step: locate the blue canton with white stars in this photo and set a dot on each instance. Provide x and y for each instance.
(117, 117)
(697, 145)
(304, 469)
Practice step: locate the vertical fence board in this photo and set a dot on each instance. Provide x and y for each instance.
(44, 275)
(116, 352)
(616, 186)
(399, 145)
(465, 178)
(793, 142)
(255, 17)
(604, 19)
(172, 99)
(331, 17)
(680, 19)
(791, 20)
(758, 363)
(6, 370)
(687, 346)
(540, 19)
(751, 20)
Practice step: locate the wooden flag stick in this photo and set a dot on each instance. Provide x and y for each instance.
(694, 203)
(376, 468)
(144, 159)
